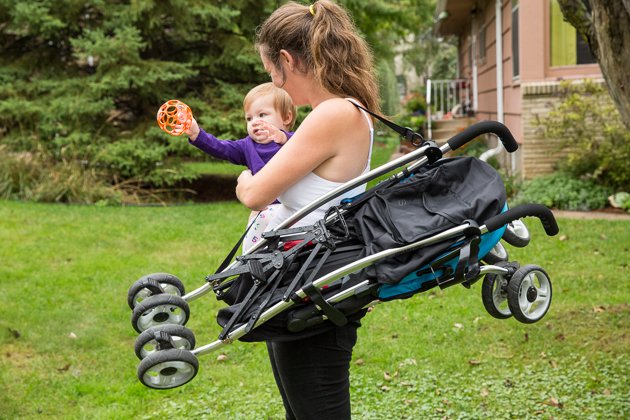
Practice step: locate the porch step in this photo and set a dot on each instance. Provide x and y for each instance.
(442, 130)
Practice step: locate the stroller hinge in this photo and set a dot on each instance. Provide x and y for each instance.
(433, 153)
(257, 272)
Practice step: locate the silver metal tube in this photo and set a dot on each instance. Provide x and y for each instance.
(365, 178)
(327, 279)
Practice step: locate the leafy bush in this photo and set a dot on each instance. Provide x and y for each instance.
(30, 176)
(414, 111)
(596, 141)
(563, 191)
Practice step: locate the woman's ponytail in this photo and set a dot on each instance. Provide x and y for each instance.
(326, 43)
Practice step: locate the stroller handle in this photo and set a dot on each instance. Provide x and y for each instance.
(538, 210)
(484, 127)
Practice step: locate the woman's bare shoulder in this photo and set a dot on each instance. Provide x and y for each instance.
(335, 109)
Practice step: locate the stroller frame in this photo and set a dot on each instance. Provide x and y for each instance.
(172, 361)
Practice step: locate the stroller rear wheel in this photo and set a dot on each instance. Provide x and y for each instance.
(516, 234)
(154, 284)
(160, 310)
(494, 296)
(529, 294)
(162, 338)
(497, 254)
(168, 368)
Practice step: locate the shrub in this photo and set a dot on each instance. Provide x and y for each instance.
(596, 141)
(38, 177)
(563, 191)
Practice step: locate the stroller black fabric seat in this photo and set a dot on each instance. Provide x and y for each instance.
(435, 198)
(440, 196)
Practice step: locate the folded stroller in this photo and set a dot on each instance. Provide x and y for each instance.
(436, 223)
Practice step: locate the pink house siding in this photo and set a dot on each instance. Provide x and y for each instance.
(520, 97)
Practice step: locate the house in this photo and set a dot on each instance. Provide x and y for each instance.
(514, 55)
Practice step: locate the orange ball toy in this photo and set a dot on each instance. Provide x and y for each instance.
(174, 117)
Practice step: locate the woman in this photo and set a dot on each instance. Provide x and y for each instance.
(317, 56)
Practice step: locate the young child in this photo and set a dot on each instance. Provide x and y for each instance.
(270, 114)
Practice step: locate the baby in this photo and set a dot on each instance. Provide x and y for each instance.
(270, 114)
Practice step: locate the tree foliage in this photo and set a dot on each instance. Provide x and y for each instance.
(81, 80)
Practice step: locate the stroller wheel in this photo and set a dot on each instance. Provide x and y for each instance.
(516, 234)
(494, 296)
(159, 310)
(162, 338)
(168, 368)
(497, 254)
(529, 294)
(153, 284)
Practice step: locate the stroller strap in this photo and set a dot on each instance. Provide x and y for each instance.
(334, 315)
(415, 138)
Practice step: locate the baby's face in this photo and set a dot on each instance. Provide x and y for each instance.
(262, 110)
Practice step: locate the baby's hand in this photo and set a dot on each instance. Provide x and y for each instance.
(274, 133)
(193, 130)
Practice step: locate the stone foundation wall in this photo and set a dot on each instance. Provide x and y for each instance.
(538, 153)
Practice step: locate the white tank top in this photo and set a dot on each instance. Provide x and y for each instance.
(313, 186)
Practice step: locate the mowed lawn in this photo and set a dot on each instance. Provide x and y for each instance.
(66, 342)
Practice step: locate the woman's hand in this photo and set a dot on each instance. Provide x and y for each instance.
(243, 182)
(245, 176)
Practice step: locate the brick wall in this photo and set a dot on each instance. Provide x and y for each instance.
(538, 153)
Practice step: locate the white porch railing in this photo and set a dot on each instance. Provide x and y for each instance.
(449, 97)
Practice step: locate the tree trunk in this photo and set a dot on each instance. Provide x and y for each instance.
(607, 32)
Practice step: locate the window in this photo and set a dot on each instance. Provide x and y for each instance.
(481, 44)
(568, 48)
(515, 53)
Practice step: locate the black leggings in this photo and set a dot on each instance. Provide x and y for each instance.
(313, 374)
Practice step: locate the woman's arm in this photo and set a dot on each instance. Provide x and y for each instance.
(329, 138)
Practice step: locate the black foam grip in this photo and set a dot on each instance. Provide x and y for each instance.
(524, 210)
(484, 127)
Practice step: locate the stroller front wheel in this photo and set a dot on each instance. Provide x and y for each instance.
(163, 337)
(494, 296)
(166, 369)
(153, 284)
(160, 310)
(516, 234)
(497, 254)
(529, 294)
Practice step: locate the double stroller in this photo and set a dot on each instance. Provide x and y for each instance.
(438, 222)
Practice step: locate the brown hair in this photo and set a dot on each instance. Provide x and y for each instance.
(324, 40)
(282, 102)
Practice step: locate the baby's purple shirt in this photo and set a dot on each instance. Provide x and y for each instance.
(240, 152)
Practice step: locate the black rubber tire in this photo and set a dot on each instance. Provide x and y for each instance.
(515, 293)
(185, 339)
(183, 368)
(144, 308)
(492, 258)
(488, 296)
(511, 236)
(145, 283)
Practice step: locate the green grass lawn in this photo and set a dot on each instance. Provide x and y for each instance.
(66, 342)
